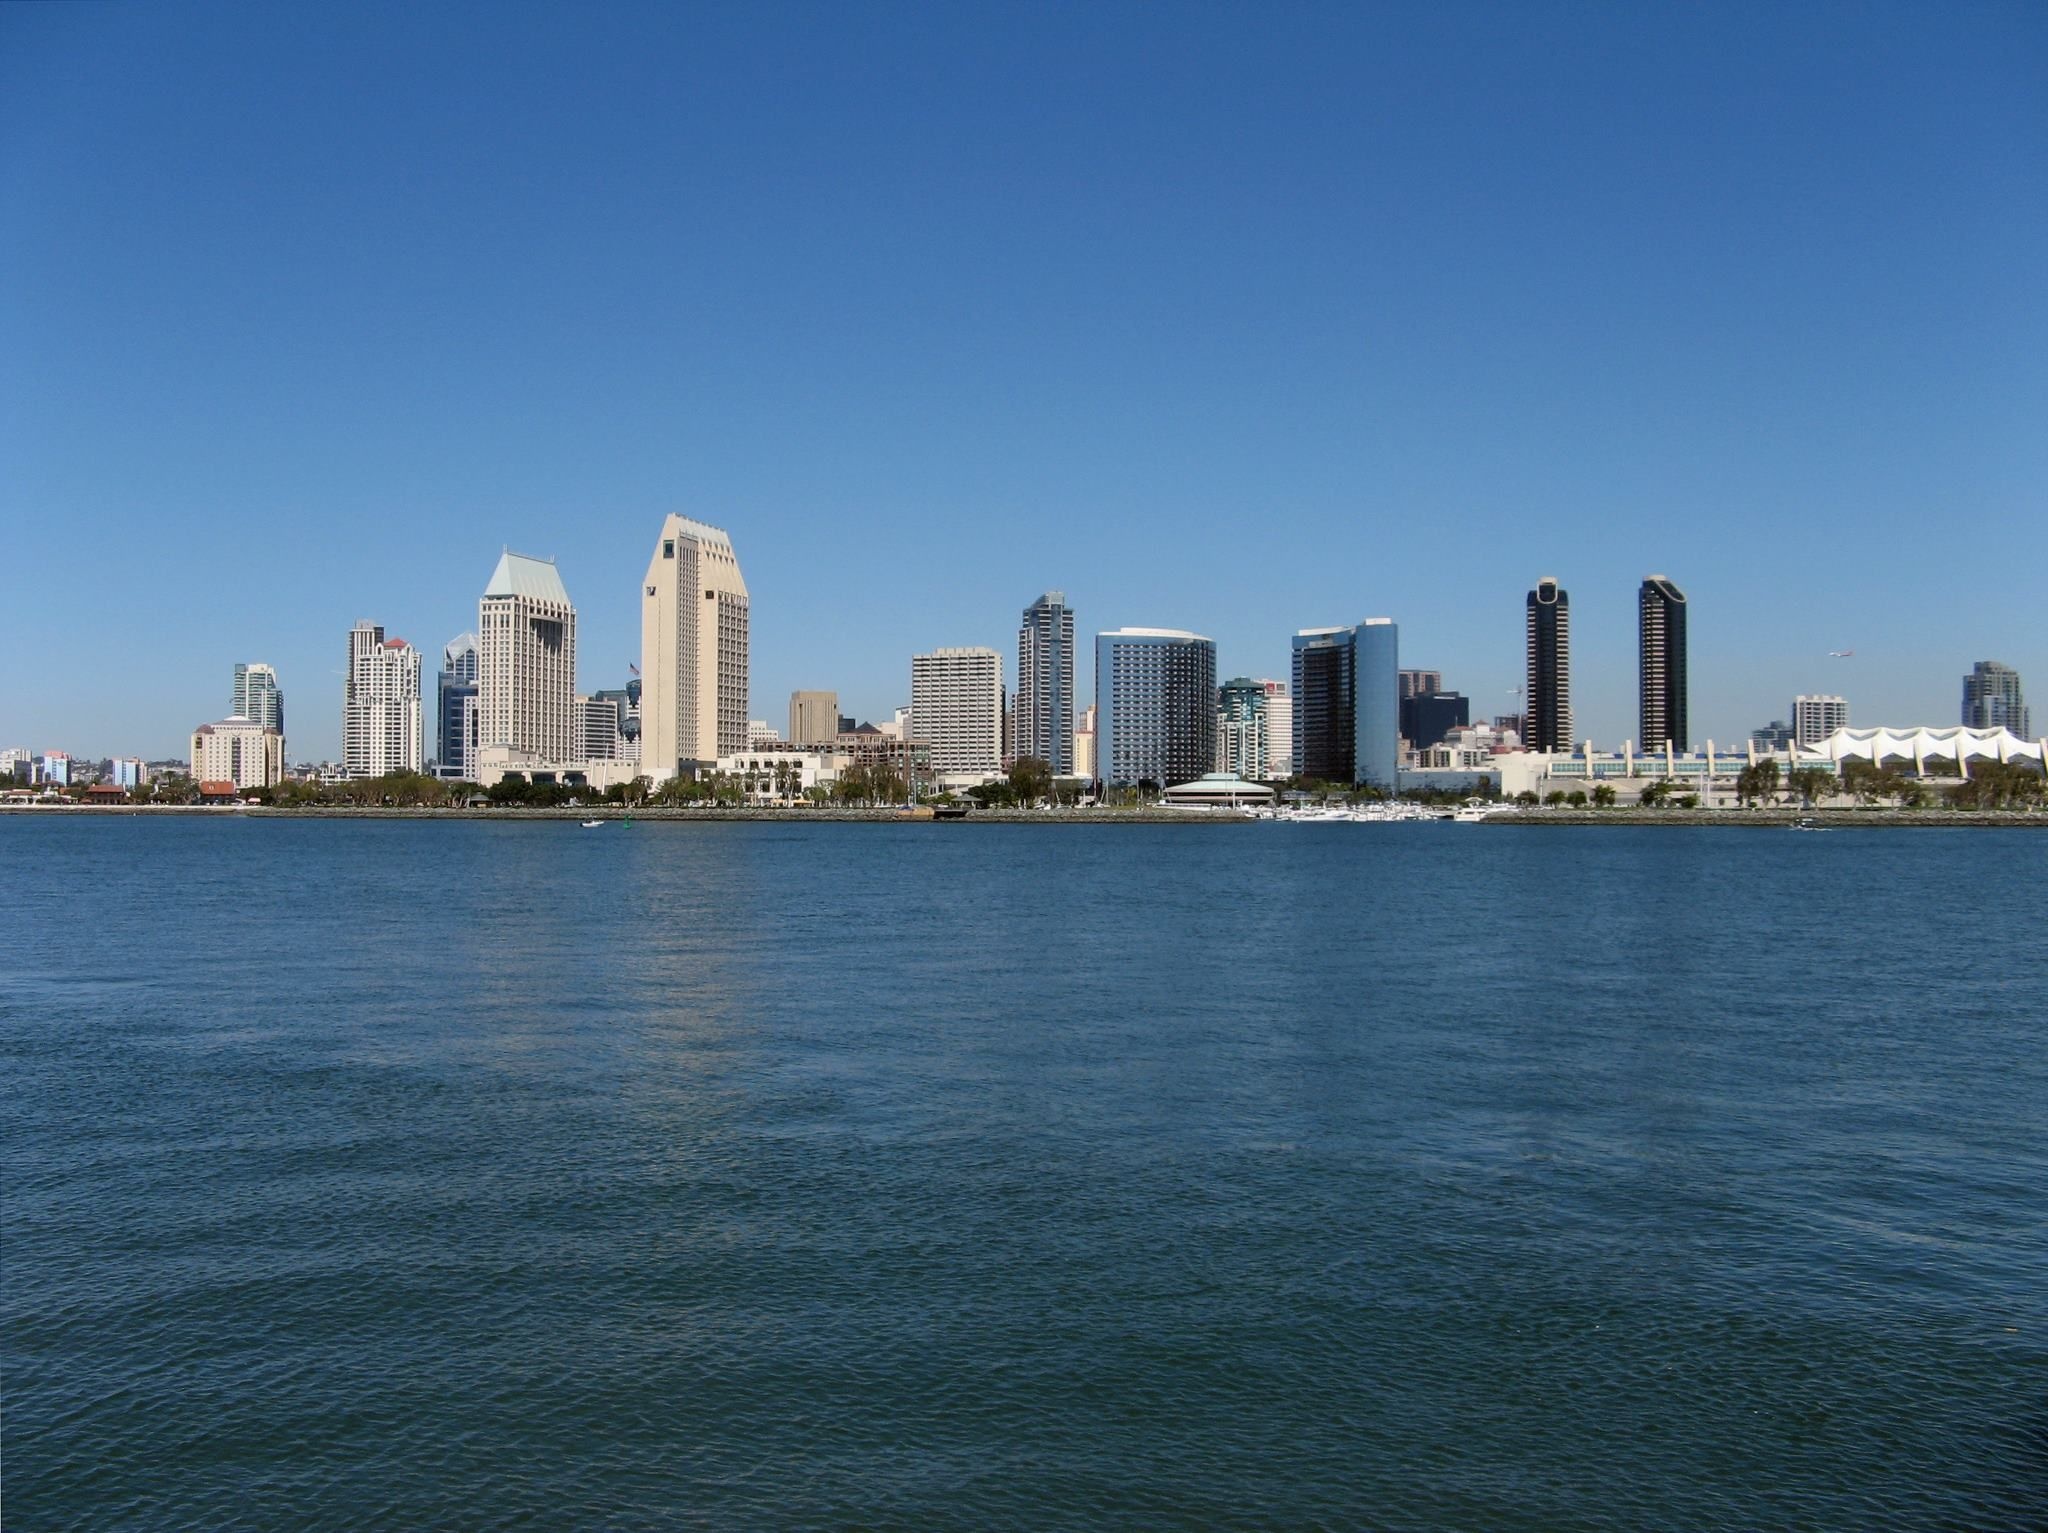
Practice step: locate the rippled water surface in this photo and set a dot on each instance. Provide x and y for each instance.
(489, 1176)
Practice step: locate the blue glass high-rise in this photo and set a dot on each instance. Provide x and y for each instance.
(1155, 706)
(1376, 702)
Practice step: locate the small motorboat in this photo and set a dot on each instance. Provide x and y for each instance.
(592, 824)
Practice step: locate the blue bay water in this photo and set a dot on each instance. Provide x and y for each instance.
(468, 1175)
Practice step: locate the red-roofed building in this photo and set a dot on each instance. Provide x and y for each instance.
(381, 727)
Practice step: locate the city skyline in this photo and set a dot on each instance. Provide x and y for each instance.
(718, 546)
(1335, 334)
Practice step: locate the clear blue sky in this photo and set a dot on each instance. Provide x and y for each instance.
(1236, 318)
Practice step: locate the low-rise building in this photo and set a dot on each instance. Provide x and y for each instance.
(238, 751)
(1714, 775)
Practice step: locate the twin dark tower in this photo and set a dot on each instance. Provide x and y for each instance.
(1660, 610)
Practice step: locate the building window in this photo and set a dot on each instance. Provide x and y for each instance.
(668, 548)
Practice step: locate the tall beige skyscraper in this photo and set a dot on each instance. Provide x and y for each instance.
(813, 717)
(693, 650)
(526, 661)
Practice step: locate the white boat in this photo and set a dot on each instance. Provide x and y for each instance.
(592, 824)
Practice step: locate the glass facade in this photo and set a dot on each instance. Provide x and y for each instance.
(1155, 702)
(1377, 702)
(1325, 723)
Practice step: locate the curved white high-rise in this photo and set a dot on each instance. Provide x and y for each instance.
(693, 650)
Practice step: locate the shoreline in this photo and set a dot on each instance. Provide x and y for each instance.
(1749, 819)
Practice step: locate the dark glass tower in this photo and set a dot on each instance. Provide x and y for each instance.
(1045, 684)
(1549, 649)
(1661, 607)
(1325, 720)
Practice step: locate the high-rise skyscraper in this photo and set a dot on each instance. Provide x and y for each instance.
(1241, 733)
(1155, 706)
(1816, 716)
(1347, 700)
(456, 686)
(380, 711)
(1548, 647)
(1045, 684)
(813, 717)
(1376, 697)
(1992, 699)
(1279, 728)
(257, 696)
(1325, 725)
(956, 707)
(1661, 614)
(694, 639)
(526, 661)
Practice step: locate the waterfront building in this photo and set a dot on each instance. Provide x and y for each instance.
(813, 717)
(127, 772)
(56, 768)
(1660, 609)
(380, 710)
(1155, 700)
(1992, 699)
(597, 729)
(956, 707)
(1420, 683)
(1279, 728)
(238, 751)
(1815, 716)
(1218, 790)
(1377, 699)
(1325, 723)
(1713, 776)
(257, 696)
(1547, 644)
(779, 776)
(1084, 744)
(694, 646)
(1912, 748)
(1427, 717)
(1044, 709)
(1241, 736)
(454, 698)
(526, 663)
(1347, 703)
